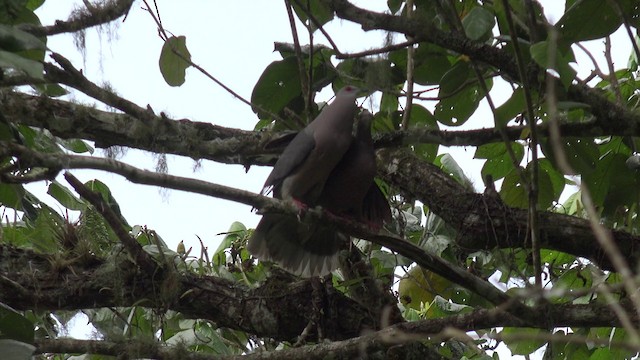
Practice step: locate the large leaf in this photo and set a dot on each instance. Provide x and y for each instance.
(65, 196)
(237, 231)
(278, 85)
(478, 24)
(448, 164)
(455, 79)
(15, 326)
(581, 153)
(421, 286)
(540, 53)
(11, 196)
(322, 13)
(431, 63)
(499, 162)
(13, 61)
(588, 20)
(174, 60)
(511, 108)
(13, 39)
(455, 110)
(522, 346)
(422, 118)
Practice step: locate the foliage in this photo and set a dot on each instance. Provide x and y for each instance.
(560, 150)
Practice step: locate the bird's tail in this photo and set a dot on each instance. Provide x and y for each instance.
(303, 249)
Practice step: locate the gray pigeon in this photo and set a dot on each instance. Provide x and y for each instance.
(300, 175)
(351, 190)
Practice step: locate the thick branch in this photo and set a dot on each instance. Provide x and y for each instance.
(277, 309)
(385, 340)
(485, 222)
(160, 135)
(226, 145)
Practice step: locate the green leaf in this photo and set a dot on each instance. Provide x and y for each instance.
(556, 258)
(51, 90)
(499, 162)
(478, 24)
(14, 40)
(322, 13)
(422, 118)
(174, 60)
(431, 63)
(14, 350)
(15, 326)
(582, 154)
(389, 102)
(65, 196)
(76, 145)
(11, 196)
(394, 5)
(511, 108)
(512, 191)
(102, 189)
(34, 4)
(32, 68)
(540, 54)
(454, 79)
(556, 178)
(236, 232)
(576, 25)
(522, 347)
(451, 167)
(441, 307)
(278, 85)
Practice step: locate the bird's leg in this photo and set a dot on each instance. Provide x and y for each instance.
(302, 208)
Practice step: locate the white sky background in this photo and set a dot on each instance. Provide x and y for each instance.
(233, 40)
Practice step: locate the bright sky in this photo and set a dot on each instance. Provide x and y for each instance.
(233, 40)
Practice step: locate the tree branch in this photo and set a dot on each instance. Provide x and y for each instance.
(141, 258)
(200, 140)
(100, 13)
(485, 223)
(277, 309)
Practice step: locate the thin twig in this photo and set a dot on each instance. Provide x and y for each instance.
(406, 116)
(304, 81)
(613, 79)
(534, 230)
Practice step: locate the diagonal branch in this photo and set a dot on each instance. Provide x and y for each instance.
(99, 14)
(483, 222)
(141, 258)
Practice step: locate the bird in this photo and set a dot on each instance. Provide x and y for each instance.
(299, 175)
(350, 190)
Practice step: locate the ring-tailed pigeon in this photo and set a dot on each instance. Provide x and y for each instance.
(300, 175)
(350, 189)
